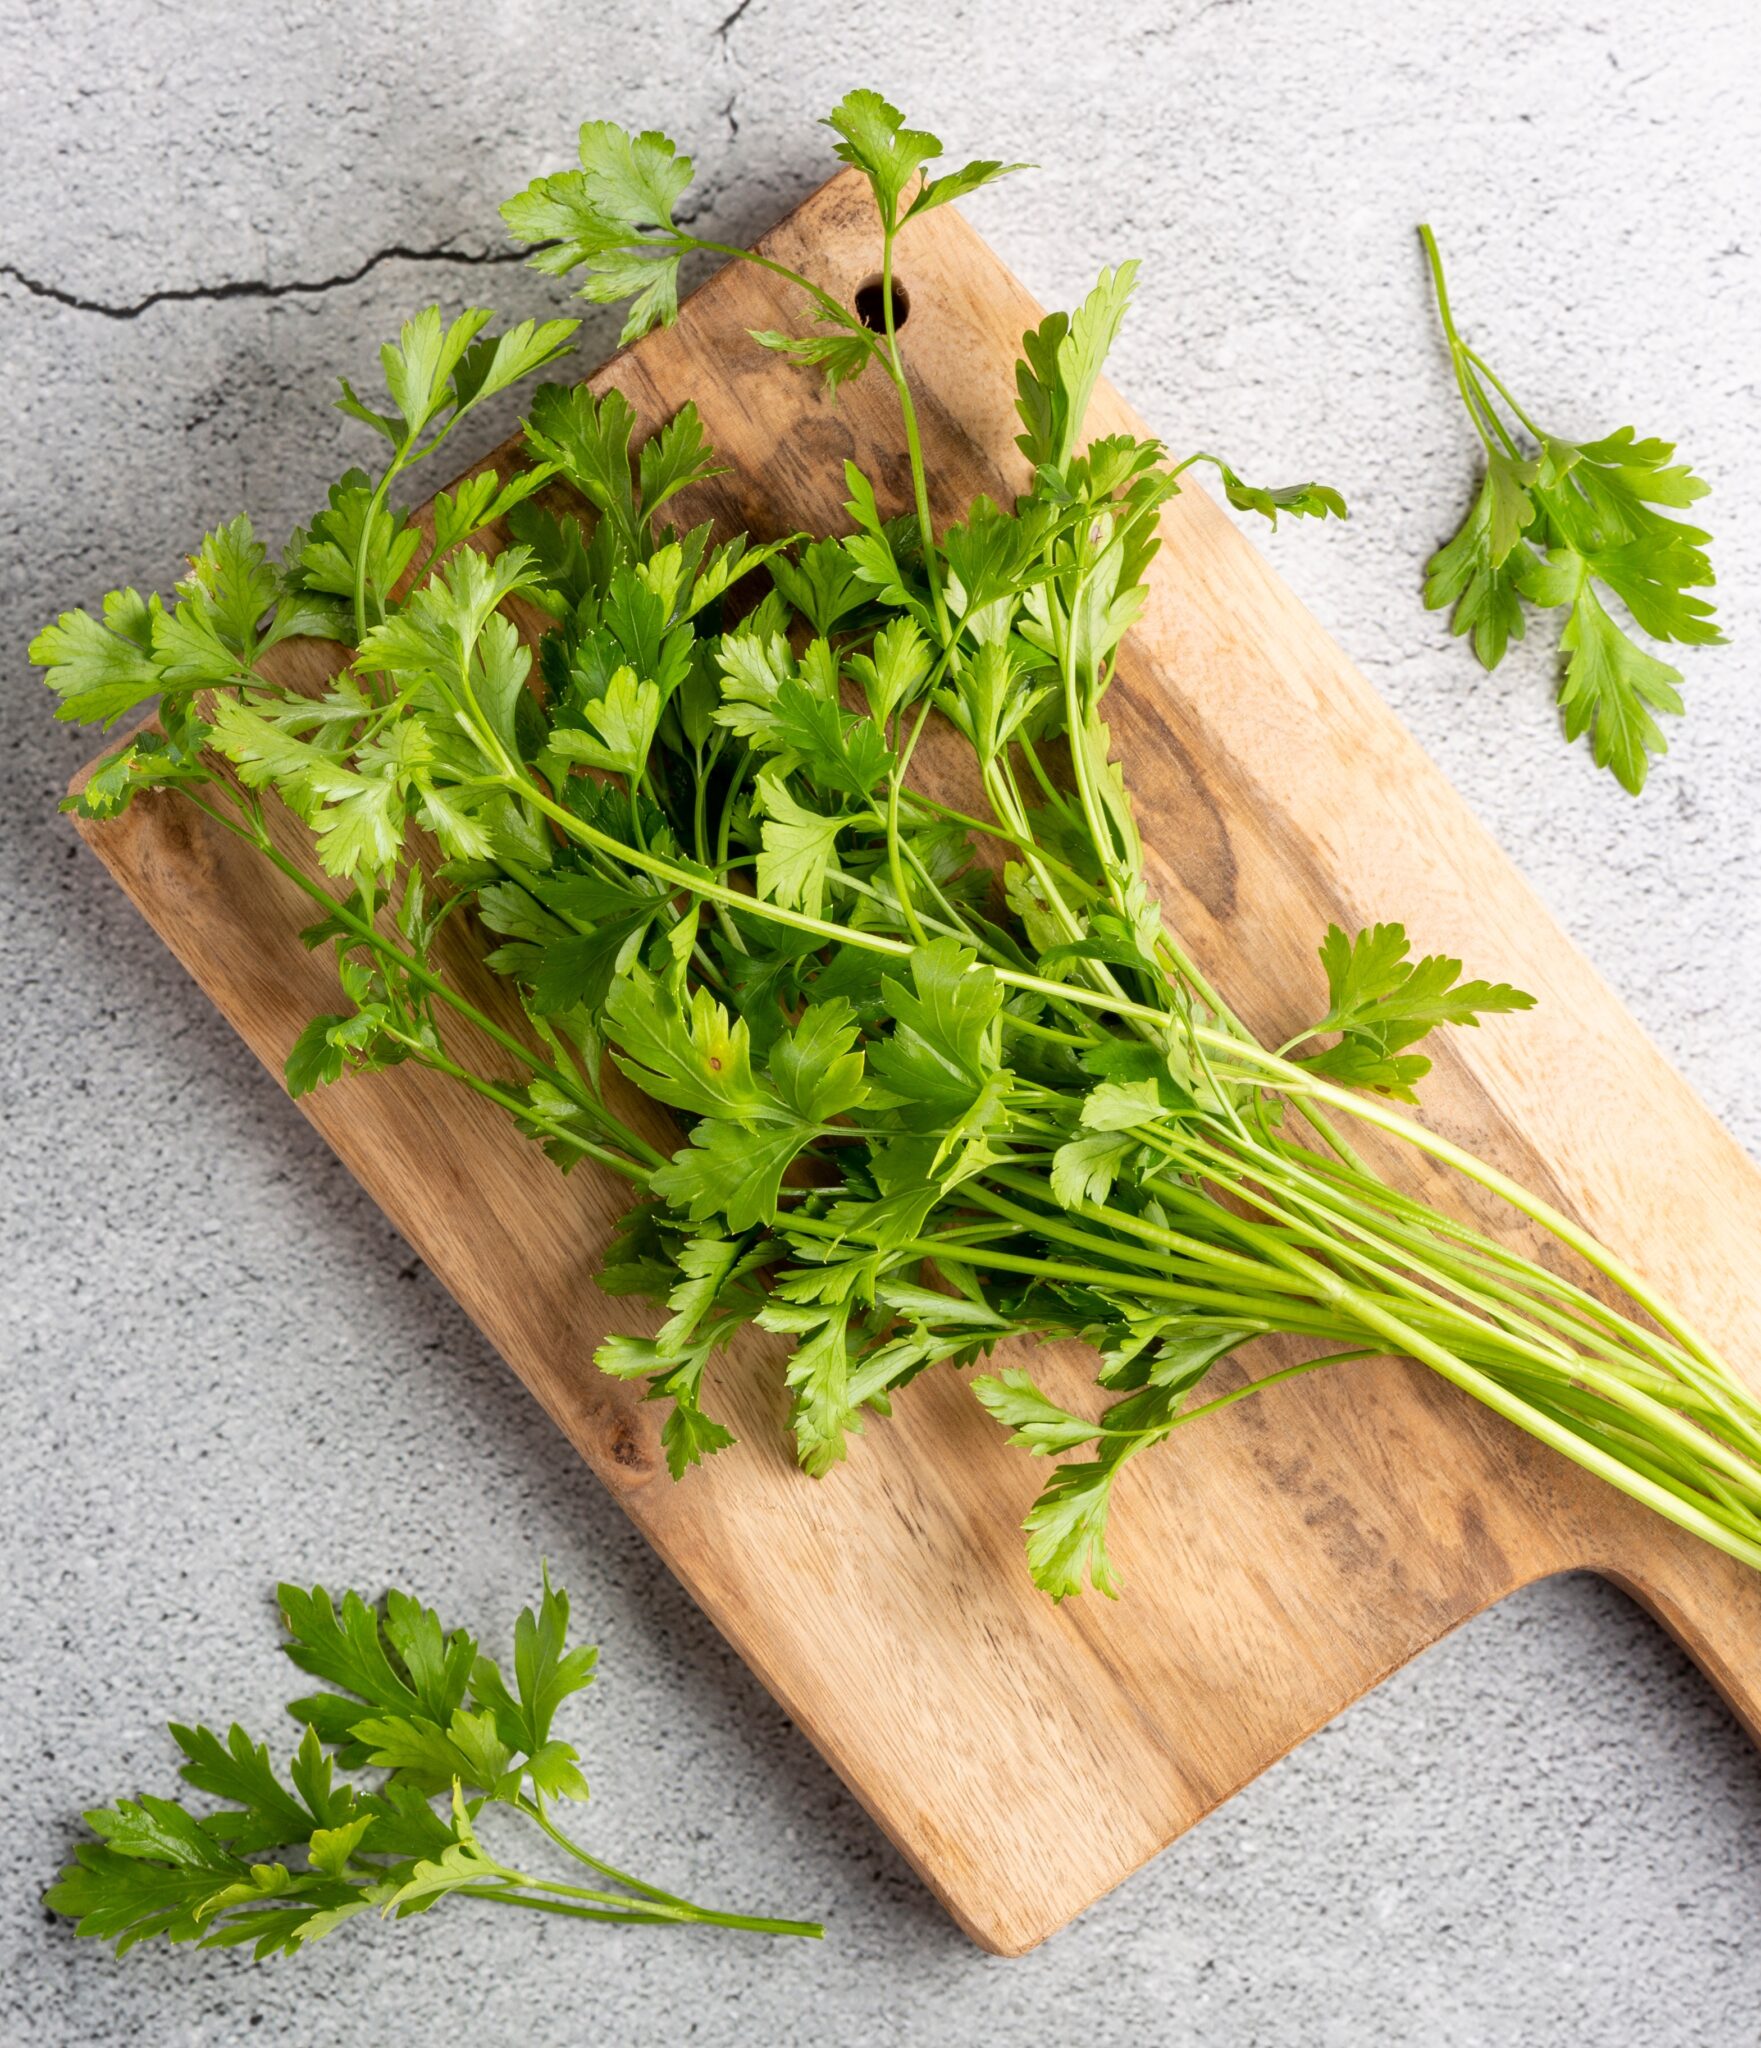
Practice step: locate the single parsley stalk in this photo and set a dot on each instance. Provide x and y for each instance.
(418, 1708)
(1563, 523)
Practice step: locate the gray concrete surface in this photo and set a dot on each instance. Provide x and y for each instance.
(223, 1367)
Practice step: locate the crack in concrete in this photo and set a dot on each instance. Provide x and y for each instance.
(724, 27)
(256, 288)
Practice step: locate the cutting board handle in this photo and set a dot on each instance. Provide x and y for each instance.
(1711, 1604)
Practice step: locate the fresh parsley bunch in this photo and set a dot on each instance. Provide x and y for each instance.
(1571, 524)
(426, 1716)
(846, 875)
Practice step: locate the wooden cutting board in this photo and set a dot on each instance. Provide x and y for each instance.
(1026, 1757)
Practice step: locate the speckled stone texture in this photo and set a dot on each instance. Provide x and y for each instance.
(222, 1365)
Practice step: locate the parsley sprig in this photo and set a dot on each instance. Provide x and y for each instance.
(947, 1078)
(1380, 1002)
(415, 1713)
(1573, 524)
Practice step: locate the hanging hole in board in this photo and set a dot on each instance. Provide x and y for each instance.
(871, 305)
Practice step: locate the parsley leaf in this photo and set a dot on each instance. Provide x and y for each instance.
(1611, 688)
(800, 847)
(734, 1164)
(1382, 1002)
(875, 139)
(1061, 364)
(943, 1049)
(1480, 571)
(713, 1297)
(614, 217)
(1067, 1530)
(1301, 501)
(1039, 1424)
(695, 1059)
(840, 356)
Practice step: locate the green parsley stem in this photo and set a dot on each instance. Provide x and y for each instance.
(1573, 1443)
(1456, 1250)
(913, 441)
(650, 1916)
(1486, 370)
(1479, 409)
(894, 865)
(823, 299)
(1371, 1111)
(525, 1113)
(936, 1248)
(1271, 1379)
(1190, 1250)
(635, 1915)
(536, 1813)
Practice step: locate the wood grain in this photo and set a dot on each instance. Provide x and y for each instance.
(1025, 1758)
